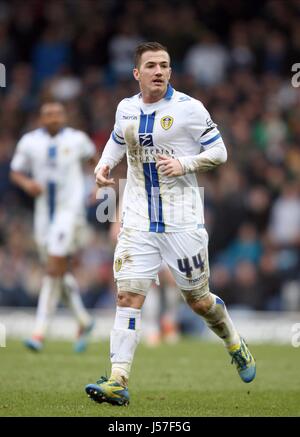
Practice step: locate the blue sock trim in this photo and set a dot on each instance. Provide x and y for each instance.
(219, 301)
(131, 324)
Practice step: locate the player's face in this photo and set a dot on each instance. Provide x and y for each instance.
(53, 117)
(153, 74)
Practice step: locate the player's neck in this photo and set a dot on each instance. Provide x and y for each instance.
(53, 132)
(149, 98)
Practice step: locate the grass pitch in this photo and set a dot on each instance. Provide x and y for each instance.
(191, 378)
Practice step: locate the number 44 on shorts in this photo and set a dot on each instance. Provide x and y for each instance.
(186, 266)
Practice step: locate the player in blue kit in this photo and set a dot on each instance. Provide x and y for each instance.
(168, 137)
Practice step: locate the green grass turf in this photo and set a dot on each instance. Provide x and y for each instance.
(191, 378)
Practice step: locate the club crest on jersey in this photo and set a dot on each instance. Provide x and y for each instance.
(118, 264)
(166, 122)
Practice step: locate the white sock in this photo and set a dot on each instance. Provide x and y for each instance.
(48, 299)
(124, 339)
(219, 321)
(72, 294)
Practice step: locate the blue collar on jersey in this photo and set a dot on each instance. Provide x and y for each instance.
(169, 93)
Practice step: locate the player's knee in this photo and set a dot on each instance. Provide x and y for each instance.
(202, 306)
(53, 271)
(199, 299)
(131, 300)
(132, 292)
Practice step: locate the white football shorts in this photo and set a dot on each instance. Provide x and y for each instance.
(62, 237)
(139, 255)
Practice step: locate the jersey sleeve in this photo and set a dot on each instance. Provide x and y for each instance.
(203, 130)
(21, 160)
(207, 136)
(117, 134)
(87, 147)
(115, 147)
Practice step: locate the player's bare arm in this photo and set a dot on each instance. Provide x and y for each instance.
(29, 185)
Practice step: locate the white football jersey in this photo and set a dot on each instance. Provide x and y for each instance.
(176, 126)
(56, 163)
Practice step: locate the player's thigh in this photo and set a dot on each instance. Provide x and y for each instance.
(54, 265)
(186, 254)
(57, 265)
(137, 260)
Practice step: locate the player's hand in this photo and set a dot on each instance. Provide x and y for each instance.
(102, 177)
(169, 166)
(33, 188)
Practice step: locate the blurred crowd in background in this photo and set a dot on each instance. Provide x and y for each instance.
(236, 58)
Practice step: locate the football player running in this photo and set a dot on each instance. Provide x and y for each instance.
(47, 165)
(168, 137)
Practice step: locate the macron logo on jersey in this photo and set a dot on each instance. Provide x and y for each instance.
(129, 117)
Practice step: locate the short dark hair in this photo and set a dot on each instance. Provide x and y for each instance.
(147, 47)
